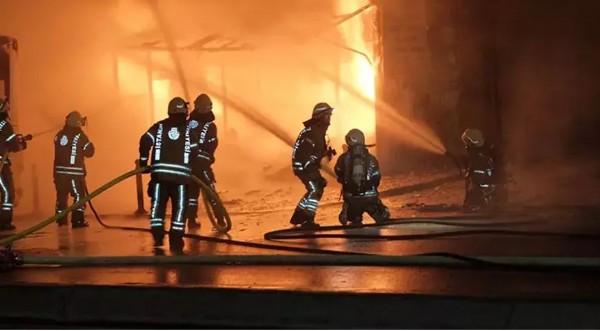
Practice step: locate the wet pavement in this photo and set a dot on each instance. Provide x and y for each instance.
(331, 293)
(98, 241)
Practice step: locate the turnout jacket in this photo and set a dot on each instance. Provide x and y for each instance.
(205, 137)
(172, 152)
(310, 147)
(8, 140)
(71, 146)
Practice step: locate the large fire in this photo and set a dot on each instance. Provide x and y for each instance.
(258, 80)
(357, 72)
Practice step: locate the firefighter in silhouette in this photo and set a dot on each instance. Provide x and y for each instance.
(480, 174)
(358, 172)
(71, 147)
(310, 148)
(202, 123)
(171, 167)
(9, 142)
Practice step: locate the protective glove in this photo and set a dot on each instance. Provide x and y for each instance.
(22, 141)
(144, 163)
(323, 182)
(202, 163)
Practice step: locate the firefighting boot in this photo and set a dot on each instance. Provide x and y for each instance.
(382, 214)
(299, 217)
(6, 221)
(356, 221)
(78, 220)
(158, 233)
(343, 216)
(176, 241)
(310, 224)
(61, 221)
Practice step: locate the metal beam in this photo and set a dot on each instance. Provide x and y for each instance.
(203, 41)
(202, 49)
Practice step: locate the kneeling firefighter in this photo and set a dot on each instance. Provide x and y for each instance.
(172, 154)
(205, 137)
(480, 174)
(71, 146)
(358, 172)
(310, 148)
(9, 142)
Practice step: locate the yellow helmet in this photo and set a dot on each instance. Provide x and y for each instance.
(473, 137)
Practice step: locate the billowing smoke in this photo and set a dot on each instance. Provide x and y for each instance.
(108, 59)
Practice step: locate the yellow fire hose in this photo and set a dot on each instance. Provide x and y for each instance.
(221, 228)
(11, 239)
(423, 260)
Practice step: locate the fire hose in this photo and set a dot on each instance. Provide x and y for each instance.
(442, 259)
(9, 240)
(5, 154)
(288, 234)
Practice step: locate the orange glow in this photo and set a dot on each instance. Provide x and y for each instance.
(161, 90)
(215, 81)
(132, 76)
(356, 71)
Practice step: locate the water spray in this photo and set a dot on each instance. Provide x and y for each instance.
(430, 143)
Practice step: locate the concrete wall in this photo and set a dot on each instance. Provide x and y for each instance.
(522, 71)
(436, 70)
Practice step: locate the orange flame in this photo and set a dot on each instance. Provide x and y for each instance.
(357, 72)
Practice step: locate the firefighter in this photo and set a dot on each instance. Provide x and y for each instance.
(480, 174)
(358, 172)
(171, 160)
(9, 142)
(310, 148)
(205, 137)
(71, 147)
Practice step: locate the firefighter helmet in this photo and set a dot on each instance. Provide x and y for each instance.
(203, 104)
(473, 137)
(177, 106)
(355, 137)
(321, 109)
(75, 120)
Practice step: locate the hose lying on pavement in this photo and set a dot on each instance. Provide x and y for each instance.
(425, 260)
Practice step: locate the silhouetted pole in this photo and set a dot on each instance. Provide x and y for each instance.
(224, 100)
(150, 78)
(35, 188)
(140, 192)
